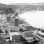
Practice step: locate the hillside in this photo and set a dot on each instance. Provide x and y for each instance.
(21, 8)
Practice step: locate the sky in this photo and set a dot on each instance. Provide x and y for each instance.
(34, 18)
(20, 1)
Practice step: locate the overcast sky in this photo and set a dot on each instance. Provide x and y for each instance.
(20, 1)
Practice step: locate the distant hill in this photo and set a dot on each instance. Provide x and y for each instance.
(23, 7)
(6, 9)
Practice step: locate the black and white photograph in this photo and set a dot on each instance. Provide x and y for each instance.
(21, 21)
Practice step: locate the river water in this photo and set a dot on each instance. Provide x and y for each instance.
(34, 18)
